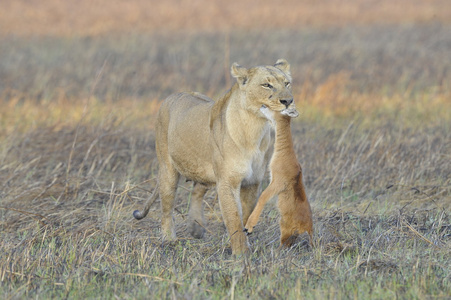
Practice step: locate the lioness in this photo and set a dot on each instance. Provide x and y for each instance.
(222, 143)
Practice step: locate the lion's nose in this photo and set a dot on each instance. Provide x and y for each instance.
(286, 102)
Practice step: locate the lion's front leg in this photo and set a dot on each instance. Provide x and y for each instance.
(229, 202)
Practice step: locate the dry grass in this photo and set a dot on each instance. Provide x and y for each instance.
(84, 17)
(377, 66)
(380, 198)
(78, 98)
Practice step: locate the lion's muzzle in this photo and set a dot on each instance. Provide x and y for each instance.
(286, 102)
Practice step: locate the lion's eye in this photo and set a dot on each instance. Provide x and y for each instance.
(267, 85)
(287, 84)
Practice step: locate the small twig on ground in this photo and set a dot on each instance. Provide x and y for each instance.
(420, 235)
(26, 213)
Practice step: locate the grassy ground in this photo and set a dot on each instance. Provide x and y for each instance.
(77, 157)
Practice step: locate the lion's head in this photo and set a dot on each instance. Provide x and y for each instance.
(267, 88)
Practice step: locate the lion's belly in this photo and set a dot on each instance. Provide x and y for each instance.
(194, 168)
(188, 139)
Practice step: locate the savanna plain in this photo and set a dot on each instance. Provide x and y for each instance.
(80, 85)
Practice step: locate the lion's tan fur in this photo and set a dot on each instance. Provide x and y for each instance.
(220, 143)
(286, 182)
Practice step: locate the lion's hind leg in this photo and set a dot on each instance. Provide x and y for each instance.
(168, 178)
(196, 211)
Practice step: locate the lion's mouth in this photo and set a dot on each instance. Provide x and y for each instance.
(291, 112)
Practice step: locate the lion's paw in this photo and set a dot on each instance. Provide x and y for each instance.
(197, 230)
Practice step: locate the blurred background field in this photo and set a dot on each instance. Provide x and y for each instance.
(100, 17)
(81, 81)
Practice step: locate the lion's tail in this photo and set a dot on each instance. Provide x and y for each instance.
(141, 214)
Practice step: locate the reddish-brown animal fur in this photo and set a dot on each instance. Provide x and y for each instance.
(286, 182)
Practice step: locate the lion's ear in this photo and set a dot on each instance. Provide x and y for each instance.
(283, 65)
(240, 73)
